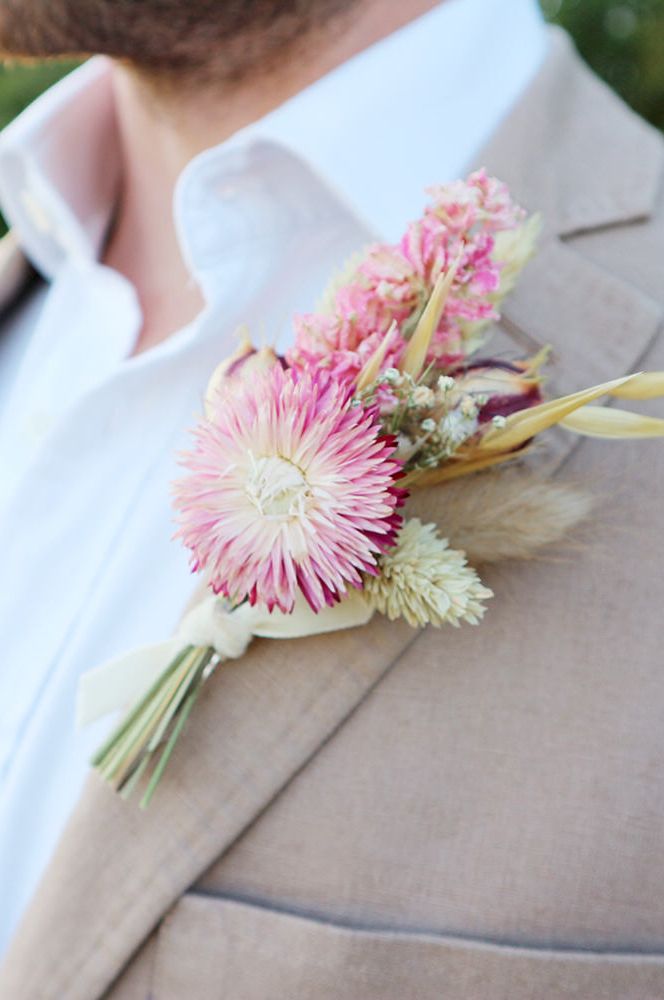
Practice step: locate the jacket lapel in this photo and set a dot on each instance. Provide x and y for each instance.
(574, 153)
(118, 869)
(566, 151)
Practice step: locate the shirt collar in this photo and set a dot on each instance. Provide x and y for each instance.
(413, 109)
(410, 111)
(60, 169)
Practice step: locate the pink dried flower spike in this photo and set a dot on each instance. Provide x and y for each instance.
(393, 283)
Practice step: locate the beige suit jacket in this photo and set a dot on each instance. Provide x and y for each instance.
(473, 814)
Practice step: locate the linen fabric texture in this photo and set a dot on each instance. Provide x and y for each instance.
(473, 814)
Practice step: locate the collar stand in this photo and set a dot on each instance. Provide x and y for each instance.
(60, 169)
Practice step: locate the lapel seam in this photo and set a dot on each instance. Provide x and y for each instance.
(203, 821)
(517, 329)
(521, 337)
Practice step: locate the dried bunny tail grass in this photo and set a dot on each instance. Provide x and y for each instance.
(508, 515)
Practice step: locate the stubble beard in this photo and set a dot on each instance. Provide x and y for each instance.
(175, 40)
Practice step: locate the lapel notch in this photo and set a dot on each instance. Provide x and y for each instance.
(572, 150)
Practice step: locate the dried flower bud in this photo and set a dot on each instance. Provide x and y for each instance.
(242, 366)
(423, 396)
(469, 407)
(500, 388)
(445, 383)
(392, 376)
(457, 427)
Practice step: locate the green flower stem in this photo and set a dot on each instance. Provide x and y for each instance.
(170, 746)
(123, 752)
(159, 716)
(180, 694)
(133, 779)
(192, 677)
(142, 754)
(118, 733)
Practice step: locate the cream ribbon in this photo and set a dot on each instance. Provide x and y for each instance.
(121, 682)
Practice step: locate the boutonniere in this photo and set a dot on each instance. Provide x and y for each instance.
(293, 492)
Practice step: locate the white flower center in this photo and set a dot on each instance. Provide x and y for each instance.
(277, 487)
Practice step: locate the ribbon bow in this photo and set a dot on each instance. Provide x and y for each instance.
(123, 681)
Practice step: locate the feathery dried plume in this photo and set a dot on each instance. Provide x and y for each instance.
(510, 515)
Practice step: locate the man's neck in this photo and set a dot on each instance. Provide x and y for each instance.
(161, 133)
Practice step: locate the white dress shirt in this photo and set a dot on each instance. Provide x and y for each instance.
(88, 433)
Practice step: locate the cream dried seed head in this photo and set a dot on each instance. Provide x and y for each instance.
(424, 581)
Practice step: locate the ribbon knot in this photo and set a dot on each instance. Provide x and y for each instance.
(210, 623)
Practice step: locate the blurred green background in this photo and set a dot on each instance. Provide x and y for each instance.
(622, 39)
(21, 84)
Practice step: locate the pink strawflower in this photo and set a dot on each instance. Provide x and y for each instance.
(393, 283)
(291, 487)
